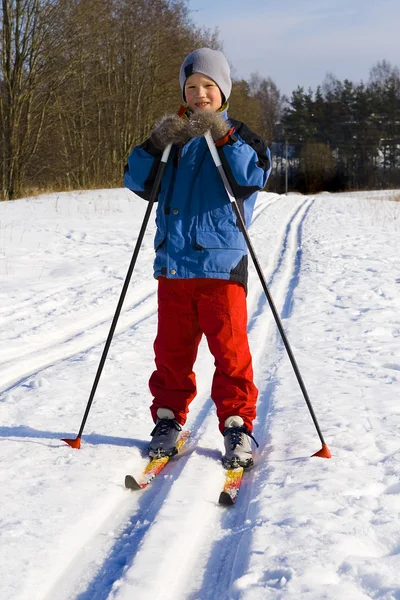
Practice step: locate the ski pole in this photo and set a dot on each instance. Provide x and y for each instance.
(324, 452)
(76, 442)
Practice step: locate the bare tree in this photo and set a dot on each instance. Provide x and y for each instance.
(244, 106)
(24, 95)
(270, 102)
(124, 61)
(82, 81)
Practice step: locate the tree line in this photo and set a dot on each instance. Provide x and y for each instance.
(343, 136)
(83, 81)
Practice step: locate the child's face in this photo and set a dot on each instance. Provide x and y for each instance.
(202, 93)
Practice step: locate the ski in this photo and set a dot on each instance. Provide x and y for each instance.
(233, 479)
(153, 468)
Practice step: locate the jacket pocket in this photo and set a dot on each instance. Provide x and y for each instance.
(229, 239)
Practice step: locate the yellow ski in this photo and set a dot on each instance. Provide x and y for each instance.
(233, 479)
(153, 468)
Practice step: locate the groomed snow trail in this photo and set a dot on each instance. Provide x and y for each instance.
(189, 559)
(74, 532)
(197, 469)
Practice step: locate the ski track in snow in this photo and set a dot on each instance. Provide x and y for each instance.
(75, 340)
(135, 545)
(172, 540)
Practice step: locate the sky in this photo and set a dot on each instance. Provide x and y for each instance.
(297, 42)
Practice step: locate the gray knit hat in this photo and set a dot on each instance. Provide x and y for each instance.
(211, 63)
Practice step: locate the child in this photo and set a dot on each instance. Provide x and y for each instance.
(201, 256)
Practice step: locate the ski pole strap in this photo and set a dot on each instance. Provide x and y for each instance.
(228, 137)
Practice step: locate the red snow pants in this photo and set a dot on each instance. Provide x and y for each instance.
(187, 309)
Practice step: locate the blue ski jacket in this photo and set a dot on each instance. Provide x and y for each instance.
(197, 234)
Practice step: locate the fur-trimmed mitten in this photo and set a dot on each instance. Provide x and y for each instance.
(170, 129)
(201, 122)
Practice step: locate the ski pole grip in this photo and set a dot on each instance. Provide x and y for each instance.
(165, 154)
(218, 164)
(213, 149)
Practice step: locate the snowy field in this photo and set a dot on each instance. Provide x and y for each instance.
(302, 528)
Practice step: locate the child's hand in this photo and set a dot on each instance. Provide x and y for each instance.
(203, 121)
(171, 129)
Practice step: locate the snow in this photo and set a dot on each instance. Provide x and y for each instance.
(302, 527)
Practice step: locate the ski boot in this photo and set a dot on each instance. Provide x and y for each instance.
(164, 435)
(237, 440)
